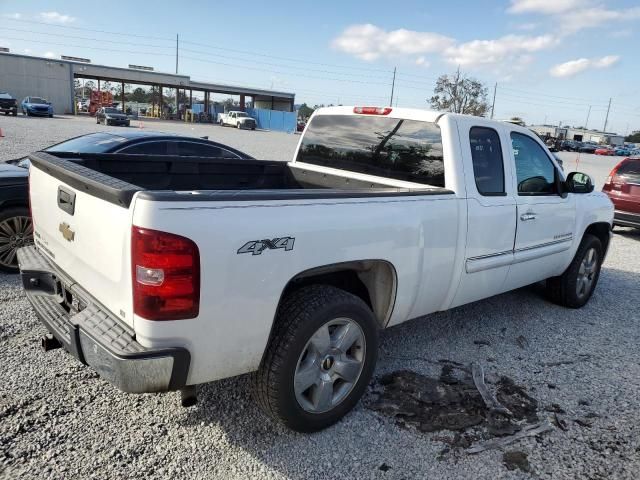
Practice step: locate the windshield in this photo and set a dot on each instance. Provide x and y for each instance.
(407, 150)
(92, 143)
(242, 114)
(5, 95)
(112, 110)
(36, 100)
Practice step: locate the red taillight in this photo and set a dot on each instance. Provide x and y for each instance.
(372, 110)
(612, 174)
(165, 270)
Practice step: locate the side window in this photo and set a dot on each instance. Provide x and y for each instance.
(146, 148)
(488, 166)
(192, 149)
(535, 172)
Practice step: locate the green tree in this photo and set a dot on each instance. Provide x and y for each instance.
(305, 111)
(139, 95)
(460, 94)
(633, 138)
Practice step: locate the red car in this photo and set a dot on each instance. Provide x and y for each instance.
(623, 188)
(603, 151)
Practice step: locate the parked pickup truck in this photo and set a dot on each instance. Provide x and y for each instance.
(237, 119)
(8, 104)
(163, 274)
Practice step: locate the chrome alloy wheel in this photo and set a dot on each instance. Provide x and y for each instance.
(15, 232)
(587, 273)
(329, 365)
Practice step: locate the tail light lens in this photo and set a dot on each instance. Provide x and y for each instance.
(612, 174)
(372, 110)
(165, 270)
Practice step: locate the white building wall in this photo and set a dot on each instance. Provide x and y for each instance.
(46, 78)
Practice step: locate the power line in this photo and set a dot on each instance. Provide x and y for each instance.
(30, 22)
(298, 60)
(202, 53)
(86, 38)
(364, 82)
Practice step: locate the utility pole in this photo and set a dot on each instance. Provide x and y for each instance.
(586, 123)
(606, 119)
(176, 53)
(493, 104)
(393, 84)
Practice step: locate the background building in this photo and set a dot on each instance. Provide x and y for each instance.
(579, 134)
(24, 75)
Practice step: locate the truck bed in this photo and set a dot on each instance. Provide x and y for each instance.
(115, 179)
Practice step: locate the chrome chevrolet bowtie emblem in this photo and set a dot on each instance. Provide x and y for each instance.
(66, 231)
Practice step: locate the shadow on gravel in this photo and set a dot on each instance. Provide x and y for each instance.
(630, 233)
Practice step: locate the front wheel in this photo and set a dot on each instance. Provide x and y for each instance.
(575, 286)
(319, 360)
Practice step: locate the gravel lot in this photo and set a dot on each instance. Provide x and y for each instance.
(59, 420)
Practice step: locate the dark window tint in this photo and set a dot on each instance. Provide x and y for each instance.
(630, 169)
(92, 143)
(193, 149)
(534, 170)
(146, 148)
(488, 166)
(407, 150)
(36, 100)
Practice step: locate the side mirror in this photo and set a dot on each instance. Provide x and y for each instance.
(578, 182)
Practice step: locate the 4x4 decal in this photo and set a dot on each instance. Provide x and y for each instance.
(256, 247)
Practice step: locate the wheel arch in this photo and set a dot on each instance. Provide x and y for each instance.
(374, 281)
(601, 230)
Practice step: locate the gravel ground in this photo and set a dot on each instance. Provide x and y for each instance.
(59, 420)
(23, 135)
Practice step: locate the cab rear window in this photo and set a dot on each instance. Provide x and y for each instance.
(408, 150)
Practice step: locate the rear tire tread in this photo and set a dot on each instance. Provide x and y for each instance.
(293, 313)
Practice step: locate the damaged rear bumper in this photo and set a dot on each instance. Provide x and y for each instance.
(94, 335)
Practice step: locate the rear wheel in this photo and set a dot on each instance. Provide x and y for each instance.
(575, 286)
(16, 231)
(319, 360)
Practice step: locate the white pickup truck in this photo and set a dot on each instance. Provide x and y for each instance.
(165, 273)
(237, 119)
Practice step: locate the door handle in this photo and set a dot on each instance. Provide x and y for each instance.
(525, 217)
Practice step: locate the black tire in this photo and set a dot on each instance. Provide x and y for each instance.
(97, 121)
(6, 265)
(15, 113)
(563, 289)
(299, 316)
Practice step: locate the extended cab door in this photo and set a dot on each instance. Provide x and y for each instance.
(491, 209)
(545, 217)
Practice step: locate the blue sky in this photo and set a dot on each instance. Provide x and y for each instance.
(550, 58)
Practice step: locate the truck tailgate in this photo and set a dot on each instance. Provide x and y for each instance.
(86, 236)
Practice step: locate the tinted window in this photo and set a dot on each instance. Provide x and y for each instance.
(631, 169)
(146, 148)
(36, 100)
(92, 143)
(407, 150)
(486, 154)
(112, 110)
(534, 170)
(192, 149)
